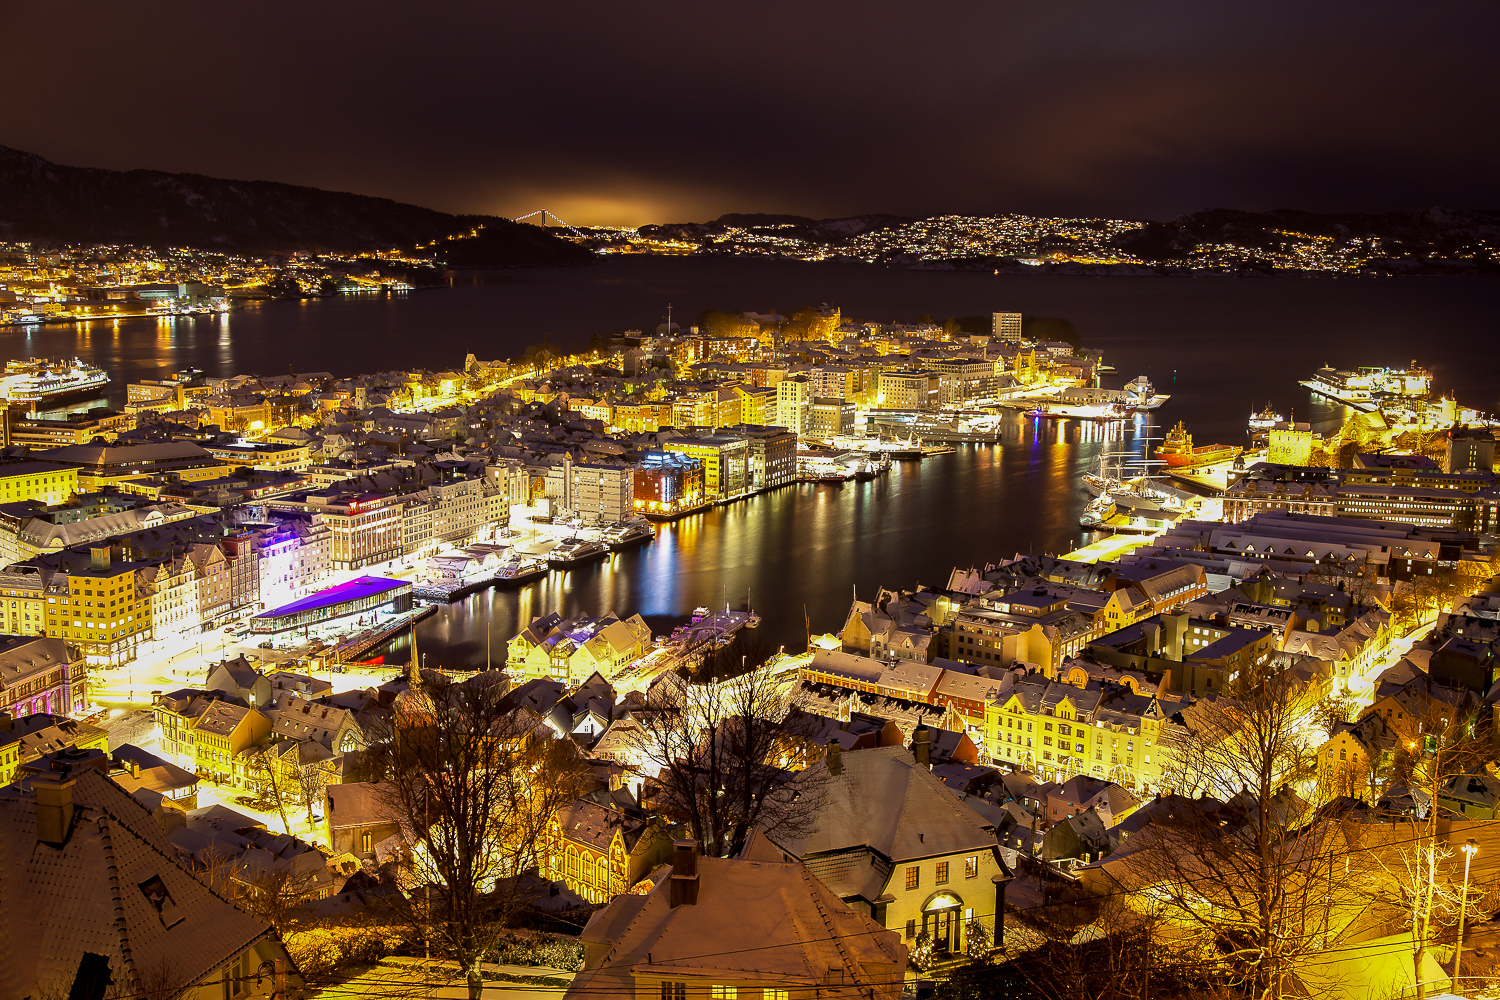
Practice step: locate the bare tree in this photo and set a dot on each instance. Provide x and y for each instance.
(1243, 871)
(715, 748)
(1436, 746)
(474, 786)
(275, 787)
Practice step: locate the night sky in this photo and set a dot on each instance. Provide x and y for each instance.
(656, 112)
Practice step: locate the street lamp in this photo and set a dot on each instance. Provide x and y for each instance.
(1470, 849)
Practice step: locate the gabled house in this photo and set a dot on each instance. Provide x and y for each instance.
(731, 927)
(601, 851)
(95, 902)
(891, 840)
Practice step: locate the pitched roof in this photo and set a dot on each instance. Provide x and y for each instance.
(882, 800)
(762, 920)
(113, 889)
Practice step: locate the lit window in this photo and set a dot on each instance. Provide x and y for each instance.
(913, 877)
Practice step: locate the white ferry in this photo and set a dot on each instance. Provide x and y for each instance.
(1142, 395)
(41, 380)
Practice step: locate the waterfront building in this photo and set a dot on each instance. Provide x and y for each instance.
(907, 389)
(597, 489)
(828, 418)
(1290, 444)
(725, 460)
(771, 455)
(571, 650)
(362, 594)
(668, 483)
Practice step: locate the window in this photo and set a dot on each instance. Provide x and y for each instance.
(911, 929)
(774, 994)
(913, 877)
(971, 867)
(364, 842)
(723, 993)
(673, 991)
(942, 873)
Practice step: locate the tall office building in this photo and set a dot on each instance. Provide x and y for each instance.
(1006, 327)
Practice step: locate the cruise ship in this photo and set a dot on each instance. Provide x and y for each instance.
(42, 380)
(1364, 388)
(1178, 450)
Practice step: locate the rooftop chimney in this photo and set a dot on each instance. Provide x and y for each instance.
(54, 807)
(683, 890)
(99, 557)
(835, 758)
(921, 746)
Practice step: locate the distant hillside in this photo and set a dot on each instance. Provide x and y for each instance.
(42, 201)
(1435, 241)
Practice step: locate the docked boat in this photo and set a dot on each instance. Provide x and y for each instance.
(627, 533)
(700, 613)
(1363, 388)
(40, 380)
(519, 570)
(1097, 512)
(1178, 450)
(1080, 411)
(575, 552)
(1265, 419)
(1142, 395)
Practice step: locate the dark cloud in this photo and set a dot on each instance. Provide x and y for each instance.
(666, 111)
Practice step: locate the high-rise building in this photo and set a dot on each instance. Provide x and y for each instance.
(772, 455)
(793, 396)
(1006, 327)
(725, 461)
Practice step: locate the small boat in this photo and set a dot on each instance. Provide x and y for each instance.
(753, 621)
(700, 613)
(1097, 512)
(576, 552)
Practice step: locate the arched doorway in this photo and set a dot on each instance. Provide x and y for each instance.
(942, 919)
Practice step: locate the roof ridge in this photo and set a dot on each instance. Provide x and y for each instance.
(111, 867)
(812, 887)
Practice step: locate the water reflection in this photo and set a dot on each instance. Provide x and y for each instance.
(809, 545)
